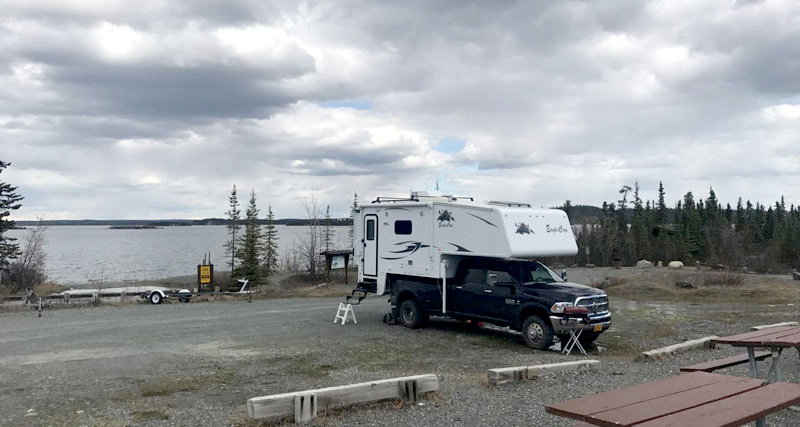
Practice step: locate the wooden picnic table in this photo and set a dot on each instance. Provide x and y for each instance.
(775, 339)
(697, 399)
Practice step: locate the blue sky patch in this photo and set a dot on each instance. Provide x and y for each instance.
(352, 104)
(450, 145)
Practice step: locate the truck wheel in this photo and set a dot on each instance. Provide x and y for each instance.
(155, 298)
(537, 333)
(410, 315)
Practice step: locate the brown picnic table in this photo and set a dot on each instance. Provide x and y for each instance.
(775, 339)
(697, 399)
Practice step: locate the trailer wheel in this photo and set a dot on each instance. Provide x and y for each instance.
(410, 315)
(183, 299)
(155, 298)
(537, 333)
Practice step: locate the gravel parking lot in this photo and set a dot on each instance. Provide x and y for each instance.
(196, 364)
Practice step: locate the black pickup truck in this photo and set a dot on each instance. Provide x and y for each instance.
(525, 295)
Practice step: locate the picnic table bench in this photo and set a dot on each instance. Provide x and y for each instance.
(775, 339)
(725, 362)
(698, 399)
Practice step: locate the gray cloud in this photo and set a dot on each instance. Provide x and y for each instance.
(157, 110)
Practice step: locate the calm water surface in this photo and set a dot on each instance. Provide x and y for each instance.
(77, 254)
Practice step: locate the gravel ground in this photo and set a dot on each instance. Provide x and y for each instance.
(196, 364)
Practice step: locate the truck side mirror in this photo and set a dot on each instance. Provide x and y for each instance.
(491, 279)
(564, 274)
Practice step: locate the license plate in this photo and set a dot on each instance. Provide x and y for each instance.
(598, 328)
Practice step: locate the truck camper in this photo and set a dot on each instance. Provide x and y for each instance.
(438, 255)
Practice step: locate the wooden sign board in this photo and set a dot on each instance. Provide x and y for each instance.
(337, 262)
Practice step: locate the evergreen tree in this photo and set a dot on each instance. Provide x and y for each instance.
(233, 227)
(661, 210)
(9, 201)
(638, 234)
(568, 208)
(270, 244)
(353, 209)
(327, 230)
(249, 250)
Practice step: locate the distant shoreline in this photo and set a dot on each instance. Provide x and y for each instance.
(177, 222)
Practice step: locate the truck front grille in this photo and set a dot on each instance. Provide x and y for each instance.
(597, 305)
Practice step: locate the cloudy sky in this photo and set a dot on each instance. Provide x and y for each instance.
(155, 109)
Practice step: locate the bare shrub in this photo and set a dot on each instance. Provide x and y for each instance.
(28, 270)
(724, 278)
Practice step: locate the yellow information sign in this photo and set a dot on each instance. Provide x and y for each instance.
(205, 274)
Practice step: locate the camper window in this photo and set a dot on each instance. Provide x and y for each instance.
(402, 227)
(371, 229)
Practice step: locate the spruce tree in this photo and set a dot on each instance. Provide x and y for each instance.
(233, 227)
(9, 201)
(353, 209)
(661, 210)
(249, 250)
(270, 244)
(327, 231)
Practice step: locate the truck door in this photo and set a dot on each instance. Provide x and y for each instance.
(370, 261)
(468, 295)
(503, 298)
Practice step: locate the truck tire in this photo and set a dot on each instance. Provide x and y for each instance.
(537, 333)
(155, 298)
(410, 314)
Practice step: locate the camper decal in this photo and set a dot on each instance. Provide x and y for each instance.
(459, 248)
(445, 218)
(409, 248)
(486, 221)
(559, 229)
(523, 228)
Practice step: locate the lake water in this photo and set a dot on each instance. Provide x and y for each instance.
(78, 254)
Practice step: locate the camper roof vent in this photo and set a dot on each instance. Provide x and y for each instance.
(509, 204)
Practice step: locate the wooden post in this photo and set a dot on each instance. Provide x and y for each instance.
(122, 296)
(66, 298)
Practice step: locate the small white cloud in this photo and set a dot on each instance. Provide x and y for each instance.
(149, 180)
(781, 113)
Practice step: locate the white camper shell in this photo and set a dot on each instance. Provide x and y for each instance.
(418, 236)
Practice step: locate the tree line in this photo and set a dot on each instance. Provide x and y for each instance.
(252, 244)
(756, 236)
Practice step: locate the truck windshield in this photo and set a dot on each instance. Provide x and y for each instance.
(538, 273)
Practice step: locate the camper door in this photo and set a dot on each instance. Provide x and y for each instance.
(370, 265)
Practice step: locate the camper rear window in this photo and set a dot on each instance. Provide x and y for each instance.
(402, 227)
(371, 230)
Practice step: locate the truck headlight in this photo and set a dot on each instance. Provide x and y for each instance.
(559, 307)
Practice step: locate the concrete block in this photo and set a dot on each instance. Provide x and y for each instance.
(775, 325)
(683, 347)
(499, 376)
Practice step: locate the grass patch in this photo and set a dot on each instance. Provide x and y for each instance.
(145, 416)
(304, 365)
(167, 386)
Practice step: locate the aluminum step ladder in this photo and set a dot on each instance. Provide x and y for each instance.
(344, 312)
